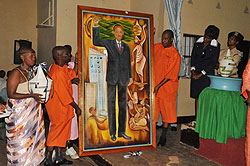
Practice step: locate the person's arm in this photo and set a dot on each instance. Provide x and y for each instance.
(12, 85)
(248, 98)
(246, 82)
(157, 87)
(129, 62)
(76, 63)
(144, 34)
(73, 77)
(171, 71)
(133, 55)
(237, 58)
(62, 90)
(193, 61)
(96, 34)
(77, 108)
(211, 64)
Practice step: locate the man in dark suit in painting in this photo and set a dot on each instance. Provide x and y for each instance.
(118, 75)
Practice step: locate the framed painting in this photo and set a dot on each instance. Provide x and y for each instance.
(115, 93)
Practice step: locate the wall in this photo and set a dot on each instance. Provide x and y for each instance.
(196, 17)
(67, 17)
(46, 35)
(17, 21)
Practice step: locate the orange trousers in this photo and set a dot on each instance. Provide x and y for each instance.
(167, 108)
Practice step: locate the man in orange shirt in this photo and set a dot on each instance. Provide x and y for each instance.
(60, 106)
(166, 69)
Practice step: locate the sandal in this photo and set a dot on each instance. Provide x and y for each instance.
(192, 124)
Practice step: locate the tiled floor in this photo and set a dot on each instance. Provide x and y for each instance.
(174, 154)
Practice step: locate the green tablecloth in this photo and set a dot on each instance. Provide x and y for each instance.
(221, 115)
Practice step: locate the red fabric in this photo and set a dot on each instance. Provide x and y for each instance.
(120, 49)
(229, 154)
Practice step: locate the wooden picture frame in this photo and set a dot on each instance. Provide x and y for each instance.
(94, 129)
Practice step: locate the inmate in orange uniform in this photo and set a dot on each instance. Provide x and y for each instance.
(59, 109)
(166, 65)
(245, 88)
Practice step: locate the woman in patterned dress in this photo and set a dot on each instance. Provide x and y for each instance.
(25, 126)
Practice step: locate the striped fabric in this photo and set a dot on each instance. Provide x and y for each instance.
(25, 133)
(227, 65)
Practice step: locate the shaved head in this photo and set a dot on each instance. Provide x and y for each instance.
(169, 32)
(57, 51)
(59, 54)
(167, 38)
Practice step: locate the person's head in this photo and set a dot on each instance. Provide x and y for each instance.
(167, 38)
(59, 54)
(92, 110)
(234, 38)
(211, 32)
(68, 50)
(8, 73)
(118, 32)
(28, 56)
(2, 73)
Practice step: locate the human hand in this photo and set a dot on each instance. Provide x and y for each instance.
(192, 73)
(78, 111)
(156, 89)
(75, 81)
(196, 77)
(130, 82)
(96, 21)
(37, 97)
(2, 108)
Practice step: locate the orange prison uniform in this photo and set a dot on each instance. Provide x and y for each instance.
(58, 106)
(166, 65)
(245, 87)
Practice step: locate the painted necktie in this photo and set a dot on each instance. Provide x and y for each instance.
(120, 49)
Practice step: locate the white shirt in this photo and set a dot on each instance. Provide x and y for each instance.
(118, 43)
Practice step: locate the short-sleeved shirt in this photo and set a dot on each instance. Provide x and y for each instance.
(166, 65)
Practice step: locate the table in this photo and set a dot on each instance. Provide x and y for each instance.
(221, 115)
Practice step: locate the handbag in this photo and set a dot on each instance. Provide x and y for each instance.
(41, 83)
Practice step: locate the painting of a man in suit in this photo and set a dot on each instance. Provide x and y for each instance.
(118, 77)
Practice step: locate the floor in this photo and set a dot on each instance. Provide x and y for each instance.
(174, 154)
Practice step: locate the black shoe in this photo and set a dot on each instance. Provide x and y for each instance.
(113, 137)
(47, 164)
(124, 136)
(162, 141)
(174, 128)
(158, 127)
(63, 162)
(76, 142)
